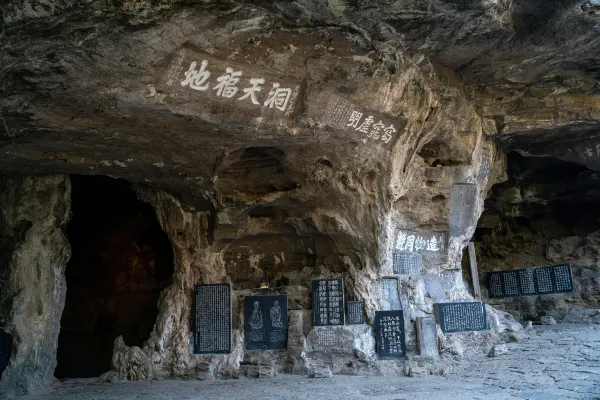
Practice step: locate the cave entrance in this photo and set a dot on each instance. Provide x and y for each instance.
(545, 213)
(121, 260)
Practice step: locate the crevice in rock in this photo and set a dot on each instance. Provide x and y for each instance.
(121, 260)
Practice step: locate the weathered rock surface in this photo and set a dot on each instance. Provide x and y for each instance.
(102, 88)
(33, 255)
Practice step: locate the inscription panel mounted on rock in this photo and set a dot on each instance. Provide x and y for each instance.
(355, 313)
(463, 200)
(390, 298)
(266, 322)
(390, 334)
(212, 325)
(406, 263)
(531, 281)
(503, 284)
(461, 317)
(370, 127)
(328, 302)
(217, 88)
(427, 335)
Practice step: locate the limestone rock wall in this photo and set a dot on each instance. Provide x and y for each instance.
(33, 255)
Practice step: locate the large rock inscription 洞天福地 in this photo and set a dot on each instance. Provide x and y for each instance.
(199, 83)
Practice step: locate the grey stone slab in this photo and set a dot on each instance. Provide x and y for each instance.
(463, 200)
(427, 337)
(390, 299)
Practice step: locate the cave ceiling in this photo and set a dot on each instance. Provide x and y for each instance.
(83, 85)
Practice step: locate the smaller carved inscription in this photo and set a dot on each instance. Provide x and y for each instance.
(212, 309)
(531, 281)
(563, 279)
(503, 284)
(390, 334)
(543, 280)
(406, 263)
(328, 301)
(527, 281)
(462, 208)
(461, 317)
(355, 313)
(427, 334)
(389, 294)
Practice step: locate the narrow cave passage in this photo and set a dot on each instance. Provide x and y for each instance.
(121, 260)
(546, 213)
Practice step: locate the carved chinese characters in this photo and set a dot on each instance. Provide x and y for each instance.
(531, 281)
(328, 301)
(372, 127)
(212, 309)
(390, 336)
(192, 74)
(355, 313)
(460, 317)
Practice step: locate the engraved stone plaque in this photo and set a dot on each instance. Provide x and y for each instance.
(527, 281)
(427, 335)
(328, 301)
(460, 317)
(390, 334)
(406, 263)
(371, 127)
(462, 208)
(503, 284)
(543, 280)
(327, 338)
(355, 313)
(266, 322)
(212, 327)
(389, 295)
(563, 280)
(531, 281)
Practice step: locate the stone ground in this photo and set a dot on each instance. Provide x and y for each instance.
(559, 362)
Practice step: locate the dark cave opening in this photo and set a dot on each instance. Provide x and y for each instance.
(121, 260)
(545, 213)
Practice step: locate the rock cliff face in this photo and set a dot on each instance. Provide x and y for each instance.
(34, 252)
(309, 138)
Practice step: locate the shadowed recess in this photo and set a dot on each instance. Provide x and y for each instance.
(121, 260)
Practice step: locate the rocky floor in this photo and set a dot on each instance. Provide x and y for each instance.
(558, 362)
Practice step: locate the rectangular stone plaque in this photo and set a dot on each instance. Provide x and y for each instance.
(543, 280)
(527, 281)
(390, 334)
(390, 300)
(461, 317)
(212, 325)
(406, 263)
(266, 322)
(503, 284)
(427, 335)
(328, 301)
(531, 281)
(373, 127)
(462, 208)
(563, 279)
(355, 313)
(219, 87)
